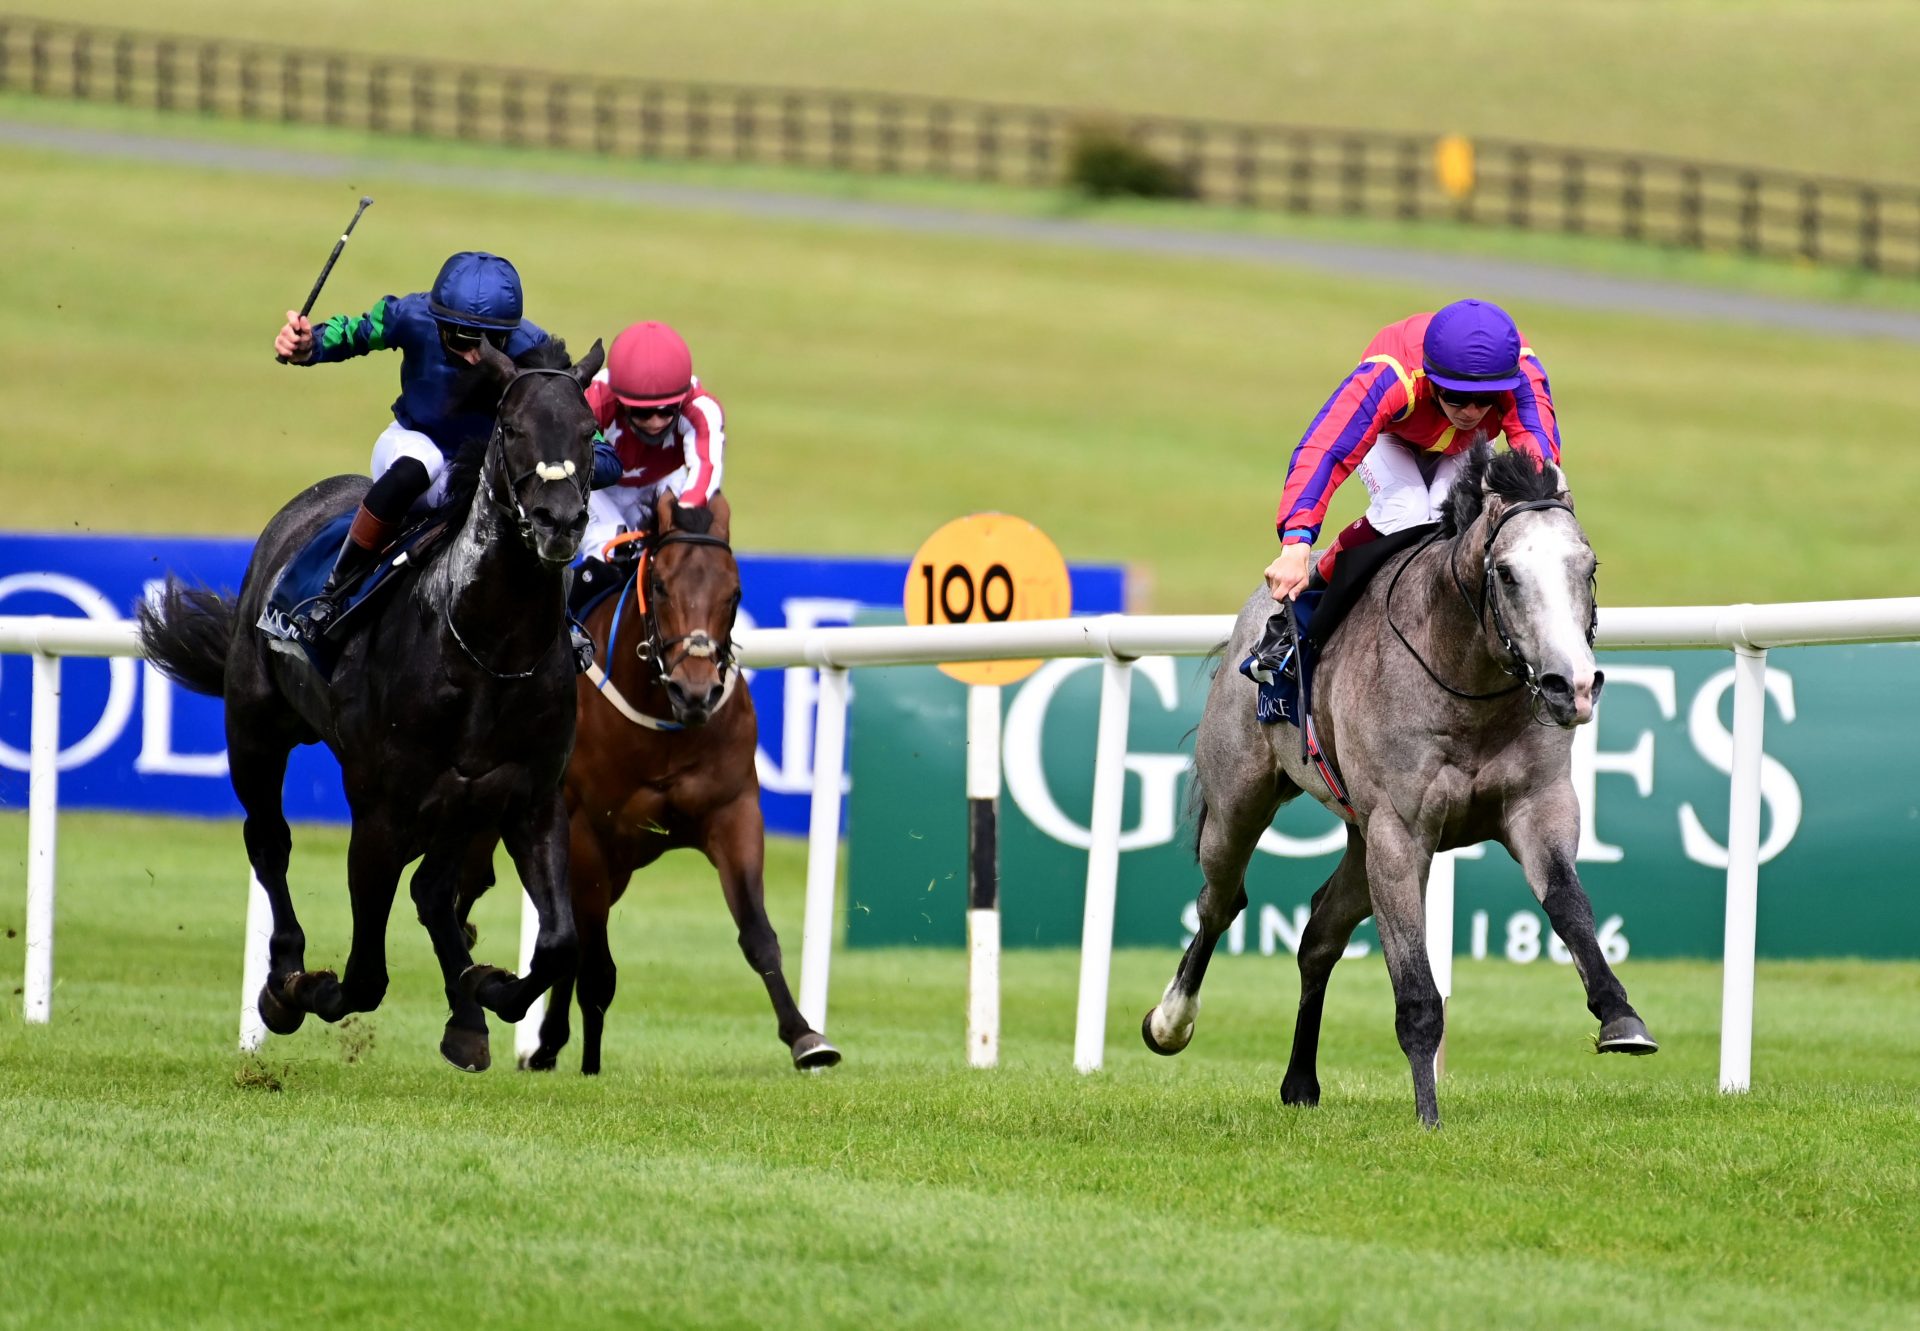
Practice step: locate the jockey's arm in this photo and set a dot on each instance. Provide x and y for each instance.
(606, 463)
(342, 337)
(1366, 401)
(1531, 425)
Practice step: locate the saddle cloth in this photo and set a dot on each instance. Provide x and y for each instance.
(301, 578)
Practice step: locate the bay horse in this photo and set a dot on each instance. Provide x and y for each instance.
(451, 711)
(1429, 699)
(664, 760)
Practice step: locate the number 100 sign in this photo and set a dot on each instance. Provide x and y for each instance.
(986, 569)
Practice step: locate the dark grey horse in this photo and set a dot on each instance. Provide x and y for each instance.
(1446, 701)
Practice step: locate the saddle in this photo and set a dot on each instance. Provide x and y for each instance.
(1282, 662)
(302, 577)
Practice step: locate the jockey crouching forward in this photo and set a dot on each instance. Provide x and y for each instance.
(1427, 389)
(444, 403)
(669, 434)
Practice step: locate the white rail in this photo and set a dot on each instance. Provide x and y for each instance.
(1747, 630)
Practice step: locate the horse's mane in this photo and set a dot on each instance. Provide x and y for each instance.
(698, 520)
(463, 471)
(1510, 475)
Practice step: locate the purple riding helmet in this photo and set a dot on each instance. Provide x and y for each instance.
(1471, 346)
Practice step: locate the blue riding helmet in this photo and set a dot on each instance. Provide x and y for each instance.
(1471, 346)
(477, 290)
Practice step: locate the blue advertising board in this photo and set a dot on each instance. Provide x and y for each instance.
(133, 741)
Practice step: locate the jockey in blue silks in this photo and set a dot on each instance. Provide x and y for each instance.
(476, 297)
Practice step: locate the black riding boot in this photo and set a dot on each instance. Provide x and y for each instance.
(316, 616)
(577, 634)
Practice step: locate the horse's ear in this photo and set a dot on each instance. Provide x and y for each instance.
(722, 517)
(666, 510)
(1560, 492)
(498, 361)
(589, 365)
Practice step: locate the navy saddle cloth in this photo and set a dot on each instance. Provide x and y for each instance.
(306, 573)
(1316, 614)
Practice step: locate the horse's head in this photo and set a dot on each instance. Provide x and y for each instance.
(692, 595)
(539, 461)
(1537, 582)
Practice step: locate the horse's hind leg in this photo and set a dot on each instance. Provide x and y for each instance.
(443, 889)
(1338, 907)
(257, 757)
(1543, 841)
(1230, 825)
(736, 843)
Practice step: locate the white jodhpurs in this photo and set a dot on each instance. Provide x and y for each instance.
(1408, 486)
(620, 508)
(396, 442)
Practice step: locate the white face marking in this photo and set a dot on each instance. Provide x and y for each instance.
(1548, 561)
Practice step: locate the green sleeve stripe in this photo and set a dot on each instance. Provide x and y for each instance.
(333, 332)
(377, 327)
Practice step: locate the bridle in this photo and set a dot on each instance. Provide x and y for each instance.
(1516, 664)
(546, 471)
(517, 513)
(652, 649)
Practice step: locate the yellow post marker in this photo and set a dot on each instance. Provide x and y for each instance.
(987, 568)
(1453, 165)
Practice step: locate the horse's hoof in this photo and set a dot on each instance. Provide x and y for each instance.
(277, 1016)
(466, 1049)
(1168, 1048)
(540, 1060)
(1304, 1092)
(317, 992)
(1626, 1035)
(812, 1053)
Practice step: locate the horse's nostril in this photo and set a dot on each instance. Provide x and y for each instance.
(579, 523)
(1556, 686)
(1599, 682)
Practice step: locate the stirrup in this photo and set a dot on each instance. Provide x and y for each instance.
(1275, 655)
(582, 643)
(316, 618)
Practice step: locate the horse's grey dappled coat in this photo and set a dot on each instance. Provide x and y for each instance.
(1425, 769)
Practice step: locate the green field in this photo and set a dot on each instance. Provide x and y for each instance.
(154, 1177)
(1138, 408)
(1820, 85)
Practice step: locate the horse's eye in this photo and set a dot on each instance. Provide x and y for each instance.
(1506, 574)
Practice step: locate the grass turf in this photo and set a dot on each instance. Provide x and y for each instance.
(1140, 409)
(155, 1177)
(1809, 84)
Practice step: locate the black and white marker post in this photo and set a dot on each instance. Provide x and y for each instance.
(983, 875)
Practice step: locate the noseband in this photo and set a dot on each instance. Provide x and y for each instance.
(1516, 663)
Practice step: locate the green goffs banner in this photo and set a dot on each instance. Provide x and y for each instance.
(1840, 822)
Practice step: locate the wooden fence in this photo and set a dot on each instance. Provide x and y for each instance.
(1529, 186)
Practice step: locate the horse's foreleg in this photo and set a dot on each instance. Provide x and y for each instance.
(592, 896)
(736, 843)
(1396, 879)
(1338, 907)
(537, 841)
(442, 887)
(1543, 839)
(374, 861)
(258, 762)
(1229, 828)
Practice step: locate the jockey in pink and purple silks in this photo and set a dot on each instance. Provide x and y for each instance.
(1427, 389)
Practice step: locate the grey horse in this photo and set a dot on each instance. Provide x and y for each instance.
(1446, 700)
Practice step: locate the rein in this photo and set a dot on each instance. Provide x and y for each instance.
(651, 648)
(546, 471)
(1516, 664)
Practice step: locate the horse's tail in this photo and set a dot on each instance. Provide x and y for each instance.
(1196, 810)
(187, 634)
